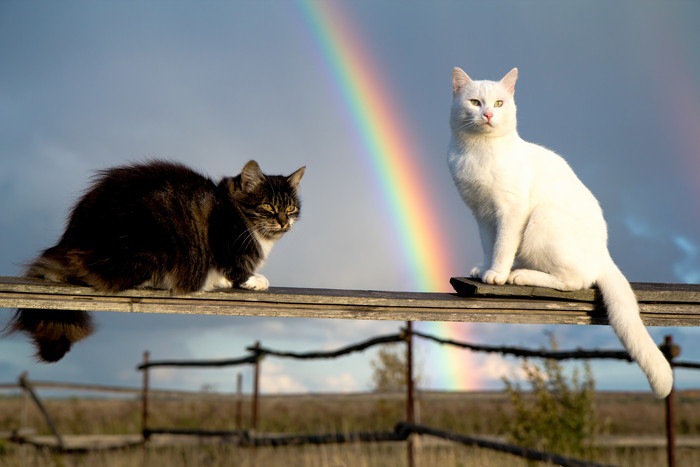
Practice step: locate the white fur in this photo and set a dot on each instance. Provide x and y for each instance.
(538, 224)
(165, 282)
(256, 282)
(216, 280)
(265, 246)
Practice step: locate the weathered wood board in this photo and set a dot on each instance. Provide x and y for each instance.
(646, 292)
(660, 304)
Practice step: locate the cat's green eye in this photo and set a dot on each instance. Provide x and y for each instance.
(292, 209)
(475, 102)
(498, 104)
(268, 207)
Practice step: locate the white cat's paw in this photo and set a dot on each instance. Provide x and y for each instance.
(256, 282)
(494, 277)
(475, 273)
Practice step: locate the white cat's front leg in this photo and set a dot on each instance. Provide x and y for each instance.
(256, 282)
(487, 233)
(507, 241)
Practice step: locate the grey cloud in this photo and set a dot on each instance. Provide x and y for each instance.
(85, 86)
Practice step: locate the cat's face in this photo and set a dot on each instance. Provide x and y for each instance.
(276, 212)
(271, 202)
(483, 107)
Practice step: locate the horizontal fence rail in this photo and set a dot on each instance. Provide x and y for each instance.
(660, 304)
(577, 354)
(259, 351)
(525, 453)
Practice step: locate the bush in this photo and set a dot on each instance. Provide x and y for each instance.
(389, 369)
(556, 414)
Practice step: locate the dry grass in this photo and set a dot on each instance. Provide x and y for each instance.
(467, 413)
(351, 455)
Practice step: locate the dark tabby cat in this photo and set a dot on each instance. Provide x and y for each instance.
(160, 224)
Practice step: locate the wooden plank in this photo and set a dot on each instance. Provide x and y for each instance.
(467, 287)
(506, 306)
(646, 292)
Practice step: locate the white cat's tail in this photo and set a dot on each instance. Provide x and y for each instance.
(623, 314)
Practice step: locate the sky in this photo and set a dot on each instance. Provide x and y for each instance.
(614, 87)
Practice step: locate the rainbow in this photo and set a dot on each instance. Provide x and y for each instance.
(390, 151)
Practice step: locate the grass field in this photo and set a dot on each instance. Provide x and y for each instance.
(632, 414)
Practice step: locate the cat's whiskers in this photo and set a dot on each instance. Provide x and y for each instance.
(468, 124)
(250, 238)
(246, 237)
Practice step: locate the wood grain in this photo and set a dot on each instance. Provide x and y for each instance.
(660, 304)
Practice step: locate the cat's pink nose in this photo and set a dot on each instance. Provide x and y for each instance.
(489, 116)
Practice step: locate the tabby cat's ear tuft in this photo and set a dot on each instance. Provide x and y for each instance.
(459, 80)
(251, 176)
(295, 178)
(509, 80)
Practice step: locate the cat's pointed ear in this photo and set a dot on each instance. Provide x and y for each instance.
(251, 176)
(459, 80)
(509, 80)
(295, 178)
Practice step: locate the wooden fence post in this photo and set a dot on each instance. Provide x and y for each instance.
(27, 386)
(144, 399)
(410, 414)
(239, 401)
(256, 386)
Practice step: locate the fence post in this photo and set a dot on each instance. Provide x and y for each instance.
(256, 386)
(26, 385)
(671, 351)
(144, 398)
(410, 414)
(239, 401)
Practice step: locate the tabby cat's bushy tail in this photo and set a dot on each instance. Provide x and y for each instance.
(623, 314)
(52, 331)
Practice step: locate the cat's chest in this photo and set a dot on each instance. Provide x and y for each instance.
(265, 246)
(486, 180)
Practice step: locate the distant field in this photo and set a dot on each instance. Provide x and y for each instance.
(463, 412)
(473, 413)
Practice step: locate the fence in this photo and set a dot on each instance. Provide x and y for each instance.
(660, 305)
(401, 432)
(403, 429)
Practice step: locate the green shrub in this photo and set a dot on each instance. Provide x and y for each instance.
(557, 414)
(389, 369)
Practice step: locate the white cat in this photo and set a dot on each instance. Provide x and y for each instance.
(539, 225)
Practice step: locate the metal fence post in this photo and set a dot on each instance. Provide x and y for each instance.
(671, 351)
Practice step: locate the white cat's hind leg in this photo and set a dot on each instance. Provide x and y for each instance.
(543, 279)
(256, 282)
